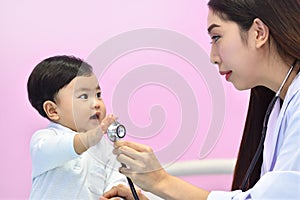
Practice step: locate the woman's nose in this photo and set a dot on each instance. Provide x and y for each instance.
(214, 57)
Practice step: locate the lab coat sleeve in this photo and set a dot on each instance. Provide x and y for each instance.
(237, 195)
(273, 185)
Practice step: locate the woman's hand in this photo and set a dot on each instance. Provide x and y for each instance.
(123, 192)
(144, 169)
(141, 165)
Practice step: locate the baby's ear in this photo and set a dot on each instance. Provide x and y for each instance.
(50, 109)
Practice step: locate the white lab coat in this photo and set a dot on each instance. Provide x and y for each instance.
(280, 173)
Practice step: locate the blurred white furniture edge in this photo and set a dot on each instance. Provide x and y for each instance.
(198, 167)
(201, 167)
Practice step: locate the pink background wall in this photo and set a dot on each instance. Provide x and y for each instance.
(168, 97)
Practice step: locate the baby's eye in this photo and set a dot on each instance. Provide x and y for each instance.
(98, 95)
(214, 39)
(83, 96)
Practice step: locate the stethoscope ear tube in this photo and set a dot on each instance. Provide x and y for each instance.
(260, 145)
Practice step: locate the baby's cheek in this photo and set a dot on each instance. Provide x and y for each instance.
(103, 114)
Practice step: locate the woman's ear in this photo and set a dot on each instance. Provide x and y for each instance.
(50, 109)
(262, 33)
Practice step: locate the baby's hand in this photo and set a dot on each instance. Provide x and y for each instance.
(95, 135)
(108, 120)
(83, 141)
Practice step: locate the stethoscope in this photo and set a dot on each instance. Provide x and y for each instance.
(115, 132)
(264, 129)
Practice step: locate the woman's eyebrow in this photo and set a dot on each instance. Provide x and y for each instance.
(212, 27)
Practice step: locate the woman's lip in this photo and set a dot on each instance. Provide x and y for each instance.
(226, 73)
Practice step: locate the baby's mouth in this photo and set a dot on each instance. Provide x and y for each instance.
(95, 116)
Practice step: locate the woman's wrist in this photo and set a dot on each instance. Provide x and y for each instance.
(162, 187)
(172, 188)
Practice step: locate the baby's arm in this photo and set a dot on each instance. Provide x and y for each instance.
(83, 141)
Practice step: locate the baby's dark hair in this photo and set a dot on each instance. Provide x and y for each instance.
(51, 75)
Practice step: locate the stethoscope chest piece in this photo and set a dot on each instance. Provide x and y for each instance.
(116, 131)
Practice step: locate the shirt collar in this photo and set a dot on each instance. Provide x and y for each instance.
(60, 127)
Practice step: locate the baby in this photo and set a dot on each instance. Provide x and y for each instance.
(70, 158)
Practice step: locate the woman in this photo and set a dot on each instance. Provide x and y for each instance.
(256, 45)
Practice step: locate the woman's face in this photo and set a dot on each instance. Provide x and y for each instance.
(236, 59)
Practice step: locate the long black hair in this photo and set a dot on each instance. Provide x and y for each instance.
(283, 20)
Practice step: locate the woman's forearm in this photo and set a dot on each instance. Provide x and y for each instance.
(173, 188)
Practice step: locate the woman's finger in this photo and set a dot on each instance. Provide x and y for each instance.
(133, 145)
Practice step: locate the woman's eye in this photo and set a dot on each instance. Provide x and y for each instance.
(83, 96)
(214, 39)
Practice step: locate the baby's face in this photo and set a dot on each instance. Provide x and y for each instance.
(80, 105)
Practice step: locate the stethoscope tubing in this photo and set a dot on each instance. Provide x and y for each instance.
(264, 130)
